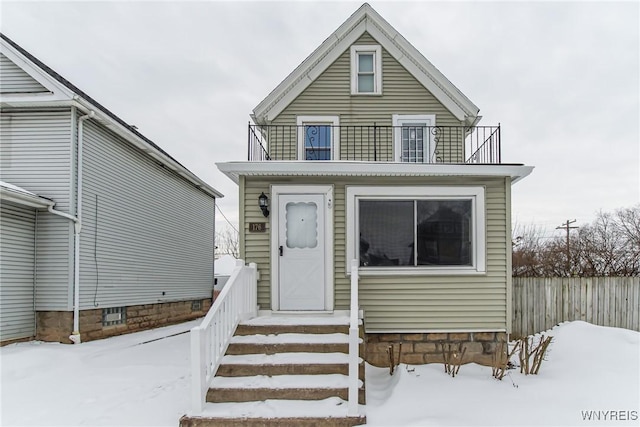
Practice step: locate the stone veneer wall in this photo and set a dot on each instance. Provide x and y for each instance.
(420, 348)
(57, 325)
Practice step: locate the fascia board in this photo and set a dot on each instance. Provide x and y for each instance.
(57, 90)
(395, 37)
(141, 144)
(287, 84)
(418, 74)
(234, 170)
(314, 65)
(421, 68)
(314, 72)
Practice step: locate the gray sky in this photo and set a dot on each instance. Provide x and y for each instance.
(563, 79)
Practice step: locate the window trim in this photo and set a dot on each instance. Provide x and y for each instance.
(400, 120)
(333, 121)
(478, 235)
(376, 50)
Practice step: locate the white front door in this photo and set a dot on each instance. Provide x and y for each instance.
(301, 252)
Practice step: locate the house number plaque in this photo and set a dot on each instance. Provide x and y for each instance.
(257, 227)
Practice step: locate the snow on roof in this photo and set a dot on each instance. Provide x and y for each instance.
(15, 194)
(16, 188)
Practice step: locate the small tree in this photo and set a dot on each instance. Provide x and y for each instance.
(227, 243)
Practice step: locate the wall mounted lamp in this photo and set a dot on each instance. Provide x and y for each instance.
(263, 202)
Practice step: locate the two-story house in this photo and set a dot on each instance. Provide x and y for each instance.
(366, 151)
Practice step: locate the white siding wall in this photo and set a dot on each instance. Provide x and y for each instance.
(35, 154)
(147, 233)
(17, 227)
(16, 80)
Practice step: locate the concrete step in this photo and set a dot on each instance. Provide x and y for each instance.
(256, 329)
(285, 364)
(290, 343)
(326, 412)
(298, 387)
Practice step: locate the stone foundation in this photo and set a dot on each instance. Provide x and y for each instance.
(58, 325)
(421, 348)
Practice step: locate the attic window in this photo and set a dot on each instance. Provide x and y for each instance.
(366, 70)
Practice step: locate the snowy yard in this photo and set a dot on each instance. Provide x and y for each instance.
(143, 379)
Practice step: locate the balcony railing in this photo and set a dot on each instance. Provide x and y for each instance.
(415, 144)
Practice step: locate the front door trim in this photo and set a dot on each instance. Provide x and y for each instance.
(327, 191)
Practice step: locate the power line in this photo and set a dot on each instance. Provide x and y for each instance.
(227, 219)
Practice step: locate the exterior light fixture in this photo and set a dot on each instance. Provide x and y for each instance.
(263, 203)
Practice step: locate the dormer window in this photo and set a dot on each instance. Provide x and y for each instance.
(366, 70)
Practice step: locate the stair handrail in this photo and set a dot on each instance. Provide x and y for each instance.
(210, 339)
(354, 342)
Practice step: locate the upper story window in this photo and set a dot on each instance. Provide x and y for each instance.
(366, 70)
(318, 137)
(413, 138)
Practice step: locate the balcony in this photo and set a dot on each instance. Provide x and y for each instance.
(413, 144)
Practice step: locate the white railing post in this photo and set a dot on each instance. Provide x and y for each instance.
(253, 290)
(354, 339)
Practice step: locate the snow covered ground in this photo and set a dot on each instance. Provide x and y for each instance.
(143, 379)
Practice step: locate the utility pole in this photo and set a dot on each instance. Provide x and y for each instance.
(567, 226)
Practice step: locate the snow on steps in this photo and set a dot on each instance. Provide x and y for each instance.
(283, 371)
(327, 412)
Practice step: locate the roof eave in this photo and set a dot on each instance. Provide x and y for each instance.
(234, 170)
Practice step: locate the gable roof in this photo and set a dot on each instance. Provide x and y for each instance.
(61, 92)
(366, 19)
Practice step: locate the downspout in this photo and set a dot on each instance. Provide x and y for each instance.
(77, 226)
(75, 335)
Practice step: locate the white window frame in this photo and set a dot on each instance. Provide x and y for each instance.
(376, 50)
(333, 121)
(400, 120)
(478, 235)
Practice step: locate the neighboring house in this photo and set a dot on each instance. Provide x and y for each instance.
(102, 232)
(367, 152)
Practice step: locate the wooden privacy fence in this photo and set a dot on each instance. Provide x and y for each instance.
(540, 303)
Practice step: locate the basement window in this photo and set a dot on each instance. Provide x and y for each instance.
(114, 316)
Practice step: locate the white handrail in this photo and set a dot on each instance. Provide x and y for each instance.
(354, 339)
(209, 340)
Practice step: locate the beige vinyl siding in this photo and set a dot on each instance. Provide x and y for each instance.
(147, 234)
(35, 154)
(403, 303)
(256, 245)
(14, 79)
(330, 95)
